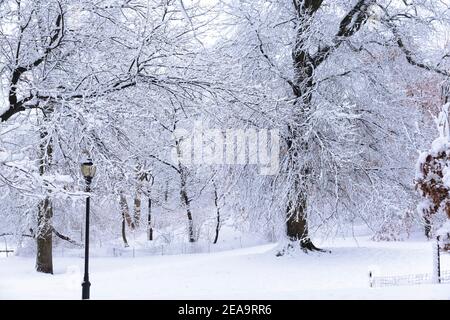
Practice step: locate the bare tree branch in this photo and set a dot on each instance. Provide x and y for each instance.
(16, 105)
(66, 238)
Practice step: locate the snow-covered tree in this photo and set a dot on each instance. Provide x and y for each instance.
(322, 64)
(433, 175)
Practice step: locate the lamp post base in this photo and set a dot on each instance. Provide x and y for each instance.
(85, 293)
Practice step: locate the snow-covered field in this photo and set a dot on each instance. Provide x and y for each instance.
(244, 273)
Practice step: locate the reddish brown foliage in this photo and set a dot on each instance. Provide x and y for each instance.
(432, 185)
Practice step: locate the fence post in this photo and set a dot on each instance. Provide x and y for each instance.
(370, 279)
(438, 260)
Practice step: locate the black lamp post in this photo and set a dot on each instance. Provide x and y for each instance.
(88, 170)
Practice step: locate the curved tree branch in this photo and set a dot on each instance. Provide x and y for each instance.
(16, 105)
(389, 22)
(410, 56)
(66, 238)
(350, 25)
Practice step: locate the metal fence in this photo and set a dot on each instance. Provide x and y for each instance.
(438, 275)
(408, 280)
(5, 250)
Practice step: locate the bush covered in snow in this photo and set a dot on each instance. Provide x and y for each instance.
(433, 174)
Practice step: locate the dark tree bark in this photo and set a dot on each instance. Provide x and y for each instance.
(297, 224)
(148, 177)
(149, 223)
(44, 256)
(141, 176)
(124, 234)
(216, 203)
(126, 219)
(427, 226)
(185, 201)
(166, 192)
(66, 238)
(445, 91)
(303, 86)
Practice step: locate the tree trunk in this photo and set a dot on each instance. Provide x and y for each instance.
(149, 225)
(166, 192)
(124, 235)
(445, 89)
(216, 203)
(141, 176)
(297, 224)
(303, 85)
(137, 208)
(126, 219)
(126, 211)
(44, 256)
(296, 211)
(186, 202)
(427, 221)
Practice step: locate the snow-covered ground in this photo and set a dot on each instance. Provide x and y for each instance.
(243, 273)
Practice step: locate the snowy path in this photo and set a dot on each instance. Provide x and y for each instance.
(250, 273)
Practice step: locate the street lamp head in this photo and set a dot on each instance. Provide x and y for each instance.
(88, 169)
